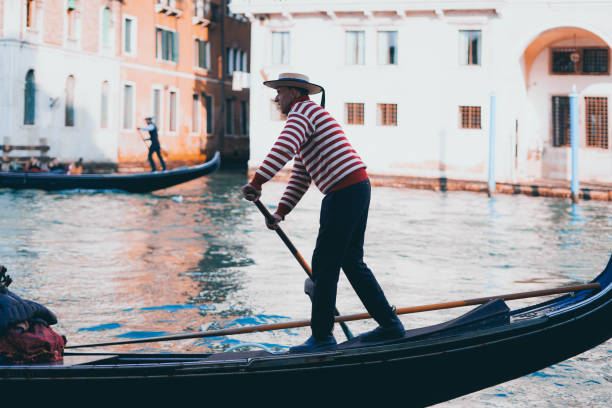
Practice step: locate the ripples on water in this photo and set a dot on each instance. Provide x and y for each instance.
(122, 266)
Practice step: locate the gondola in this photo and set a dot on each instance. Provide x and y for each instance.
(488, 345)
(132, 183)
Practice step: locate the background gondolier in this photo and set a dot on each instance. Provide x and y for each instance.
(155, 147)
(322, 153)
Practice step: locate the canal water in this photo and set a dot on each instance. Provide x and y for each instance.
(117, 266)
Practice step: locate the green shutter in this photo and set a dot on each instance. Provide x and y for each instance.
(175, 47)
(71, 4)
(106, 15)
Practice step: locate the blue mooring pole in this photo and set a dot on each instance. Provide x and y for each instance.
(574, 143)
(491, 185)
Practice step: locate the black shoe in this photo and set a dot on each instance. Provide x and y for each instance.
(313, 345)
(382, 333)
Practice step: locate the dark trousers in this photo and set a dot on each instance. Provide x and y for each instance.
(156, 149)
(344, 215)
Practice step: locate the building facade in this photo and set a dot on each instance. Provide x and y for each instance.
(81, 75)
(417, 85)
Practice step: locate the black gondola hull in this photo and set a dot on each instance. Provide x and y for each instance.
(420, 372)
(132, 183)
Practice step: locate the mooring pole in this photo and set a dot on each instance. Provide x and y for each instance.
(574, 143)
(491, 184)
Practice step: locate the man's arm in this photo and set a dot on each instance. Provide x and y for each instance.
(298, 185)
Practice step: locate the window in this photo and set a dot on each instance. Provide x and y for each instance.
(106, 29)
(202, 52)
(29, 114)
(596, 122)
(195, 114)
(243, 61)
(386, 114)
(172, 109)
(166, 45)
(30, 8)
(470, 45)
(387, 47)
(561, 120)
(130, 35)
(353, 113)
(229, 118)
(355, 47)
(104, 105)
(157, 107)
(229, 60)
(128, 106)
(470, 117)
(280, 47)
(590, 61)
(69, 112)
(244, 122)
(208, 105)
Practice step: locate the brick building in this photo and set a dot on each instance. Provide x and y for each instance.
(81, 75)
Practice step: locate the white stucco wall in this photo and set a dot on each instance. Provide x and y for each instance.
(52, 66)
(429, 84)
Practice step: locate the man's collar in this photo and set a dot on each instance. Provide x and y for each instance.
(301, 98)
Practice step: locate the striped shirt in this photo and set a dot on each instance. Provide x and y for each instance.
(320, 153)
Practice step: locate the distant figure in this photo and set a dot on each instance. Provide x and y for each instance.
(155, 147)
(33, 166)
(6, 163)
(76, 168)
(56, 167)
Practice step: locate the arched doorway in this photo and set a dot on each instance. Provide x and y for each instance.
(555, 62)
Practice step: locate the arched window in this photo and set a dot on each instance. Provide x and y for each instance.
(29, 112)
(104, 105)
(69, 117)
(106, 17)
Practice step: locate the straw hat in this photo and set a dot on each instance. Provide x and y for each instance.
(294, 80)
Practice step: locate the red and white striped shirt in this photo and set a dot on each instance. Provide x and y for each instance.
(320, 150)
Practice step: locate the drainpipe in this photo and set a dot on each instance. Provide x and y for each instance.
(491, 185)
(574, 143)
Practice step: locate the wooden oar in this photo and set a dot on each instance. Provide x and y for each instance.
(360, 316)
(298, 256)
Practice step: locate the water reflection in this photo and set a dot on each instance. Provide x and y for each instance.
(198, 256)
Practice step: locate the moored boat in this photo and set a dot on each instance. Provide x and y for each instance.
(486, 346)
(133, 183)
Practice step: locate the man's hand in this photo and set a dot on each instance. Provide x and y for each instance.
(273, 224)
(250, 193)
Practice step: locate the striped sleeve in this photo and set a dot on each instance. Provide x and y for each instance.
(284, 149)
(297, 186)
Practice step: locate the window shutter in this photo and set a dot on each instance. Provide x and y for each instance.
(71, 5)
(175, 49)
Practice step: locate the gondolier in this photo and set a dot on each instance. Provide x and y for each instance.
(154, 147)
(323, 155)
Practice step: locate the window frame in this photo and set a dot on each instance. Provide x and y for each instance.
(579, 70)
(158, 114)
(159, 49)
(588, 136)
(196, 114)
(105, 105)
(173, 90)
(360, 56)
(133, 35)
(467, 47)
(132, 114)
(29, 93)
(348, 116)
(206, 98)
(378, 45)
(382, 115)
(471, 110)
(69, 94)
(196, 55)
(285, 54)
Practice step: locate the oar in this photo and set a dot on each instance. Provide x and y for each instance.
(300, 259)
(340, 319)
